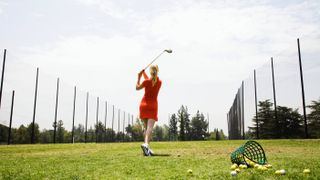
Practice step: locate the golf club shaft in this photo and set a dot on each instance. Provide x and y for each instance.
(154, 59)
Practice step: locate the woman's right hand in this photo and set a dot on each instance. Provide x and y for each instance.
(140, 73)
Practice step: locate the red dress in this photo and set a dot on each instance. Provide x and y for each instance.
(149, 102)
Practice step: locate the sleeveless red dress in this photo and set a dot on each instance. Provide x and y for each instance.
(149, 103)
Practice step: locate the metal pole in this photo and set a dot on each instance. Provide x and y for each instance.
(256, 103)
(208, 122)
(105, 122)
(124, 120)
(130, 134)
(11, 113)
(132, 119)
(56, 112)
(237, 116)
(303, 94)
(74, 112)
(274, 97)
(118, 122)
(87, 111)
(242, 110)
(34, 106)
(97, 120)
(2, 76)
(169, 133)
(229, 132)
(112, 121)
(128, 119)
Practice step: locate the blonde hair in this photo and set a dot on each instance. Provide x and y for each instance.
(154, 69)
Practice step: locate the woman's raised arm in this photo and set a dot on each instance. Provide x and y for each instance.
(145, 76)
(138, 85)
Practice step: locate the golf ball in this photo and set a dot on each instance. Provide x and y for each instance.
(257, 166)
(306, 171)
(234, 166)
(189, 171)
(268, 166)
(262, 168)
(233, 173)
(237, 170)
(283, 172)
(243, 166)
(252, 164)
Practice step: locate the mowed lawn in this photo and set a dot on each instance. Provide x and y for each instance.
(206, 159)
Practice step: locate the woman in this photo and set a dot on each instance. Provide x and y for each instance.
(149, 104)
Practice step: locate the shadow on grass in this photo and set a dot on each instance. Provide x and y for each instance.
(164, 155)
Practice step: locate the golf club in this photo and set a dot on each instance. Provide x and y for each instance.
(166, 50)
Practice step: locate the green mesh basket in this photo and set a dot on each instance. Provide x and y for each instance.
(251, 151)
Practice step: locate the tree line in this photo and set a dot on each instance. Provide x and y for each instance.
(184, 128)
(98, 133)
(288, 123)
(181, 127)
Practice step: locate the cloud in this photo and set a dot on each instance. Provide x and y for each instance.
(242, 34)
(83, 51)
(105, 67)
(109, 8)
(216, 28)
(2, 5)
(216, 45)
(38, 15)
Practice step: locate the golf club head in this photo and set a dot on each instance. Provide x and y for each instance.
(168, 50)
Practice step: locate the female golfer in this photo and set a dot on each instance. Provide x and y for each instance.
(149, 104)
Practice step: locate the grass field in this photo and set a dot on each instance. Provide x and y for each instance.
(207, 160)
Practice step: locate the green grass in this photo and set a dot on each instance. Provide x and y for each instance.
(207, 159)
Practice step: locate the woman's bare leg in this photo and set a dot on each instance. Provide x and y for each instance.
(148, 133)
(145, 125)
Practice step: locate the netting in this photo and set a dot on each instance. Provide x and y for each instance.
(249, 152)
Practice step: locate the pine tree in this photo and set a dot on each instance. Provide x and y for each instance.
(165, 130)
(22, 136)
(157, 133)
(217, 134)
(287, 125)
(314, 119)
(91, 135)
(79, 133)
(267, 124)
(100, 131)
(36, 132)
(182, 120)
(173, 129)
(3, 134)
(290, 123)
(129, 131)
(199, 127)
(60, 132)
(46, 136)
(137, 131)
(110, 135)
(222, 135)
(187, 124)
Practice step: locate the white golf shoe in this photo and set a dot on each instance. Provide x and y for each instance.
(145, 149)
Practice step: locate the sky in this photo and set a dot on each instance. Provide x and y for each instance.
(101, 45)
